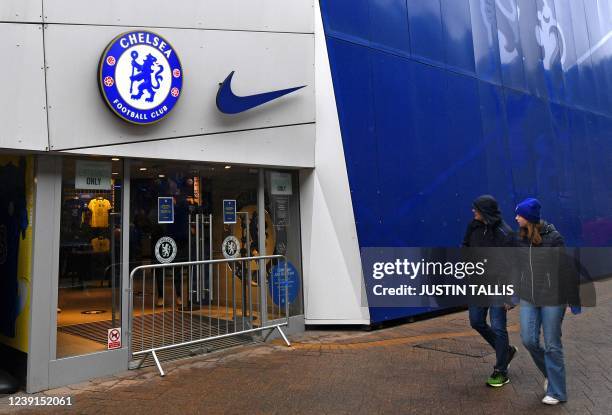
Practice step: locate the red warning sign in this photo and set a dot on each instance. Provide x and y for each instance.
(114, 339)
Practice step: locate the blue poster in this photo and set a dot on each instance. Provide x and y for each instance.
(229, 211)
(282, 289)
(165, 210)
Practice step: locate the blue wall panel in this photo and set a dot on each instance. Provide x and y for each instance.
(440, 101)
(464, 145)
(599, 150)
(568, 217)
(389, 26)
(392, 80)
(521, 137)
(457, 38)
(568, 59)
(604, 153)
(426, 33)
(428, 174)
(583, 47)
(510, 50)
(554, 49)
(348, 19)
(598, 56)
(486, 43)
(580, 151)
(532, 51)
(359, 143)
(548, 156)
(496, 177)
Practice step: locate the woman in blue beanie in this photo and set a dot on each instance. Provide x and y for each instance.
(545, 293)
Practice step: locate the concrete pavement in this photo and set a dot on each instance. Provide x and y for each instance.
(427, 367)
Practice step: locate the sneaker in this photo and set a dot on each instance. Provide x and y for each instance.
(511, 354)
(545, 385)
(497, 379)
(549, 400)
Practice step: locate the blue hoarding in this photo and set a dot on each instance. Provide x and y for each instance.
(440, 101)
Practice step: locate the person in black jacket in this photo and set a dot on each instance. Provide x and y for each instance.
(546, 287)
(488, 229)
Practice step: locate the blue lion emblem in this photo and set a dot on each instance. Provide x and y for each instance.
(149, 81)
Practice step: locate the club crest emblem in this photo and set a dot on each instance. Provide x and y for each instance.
(231, 247)
(140, 77)
(165, 250)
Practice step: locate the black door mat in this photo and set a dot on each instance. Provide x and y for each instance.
(170, 327)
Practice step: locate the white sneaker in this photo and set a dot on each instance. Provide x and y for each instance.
(549, 400)
(545, 385)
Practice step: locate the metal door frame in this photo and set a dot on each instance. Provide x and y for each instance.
(200, 248)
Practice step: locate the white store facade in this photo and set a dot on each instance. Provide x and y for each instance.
(80, 152)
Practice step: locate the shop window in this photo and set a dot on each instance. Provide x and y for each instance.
(283, 205)
(89, 293)
(16, 210)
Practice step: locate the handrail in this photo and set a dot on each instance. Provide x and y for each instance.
(204, 262)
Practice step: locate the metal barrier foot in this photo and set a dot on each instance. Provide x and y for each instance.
(161, 371)
(284, 337)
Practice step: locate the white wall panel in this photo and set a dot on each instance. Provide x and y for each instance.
(334, 290)
(283, 147)
(23, 120)
(21, 10)
(260, 15)
(263, 62)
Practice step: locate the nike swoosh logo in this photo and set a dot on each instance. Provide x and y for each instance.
(230, 103)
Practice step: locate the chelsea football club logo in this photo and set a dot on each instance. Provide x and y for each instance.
(165, 250)
(140, 77)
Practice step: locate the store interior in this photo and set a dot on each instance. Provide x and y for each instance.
(89, 296)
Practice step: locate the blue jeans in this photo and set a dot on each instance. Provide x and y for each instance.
(550, 358)
(496, 334)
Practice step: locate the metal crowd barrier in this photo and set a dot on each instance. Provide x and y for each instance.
(182, 304)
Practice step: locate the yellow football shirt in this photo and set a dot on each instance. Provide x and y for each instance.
(100, 244)
(99, 212)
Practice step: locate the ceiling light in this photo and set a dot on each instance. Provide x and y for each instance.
(161, 176)
(143, 169)
(115, 173)
(115, 159)
(228, 167)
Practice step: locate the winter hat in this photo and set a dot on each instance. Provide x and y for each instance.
(529, 209)
(488, 208)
